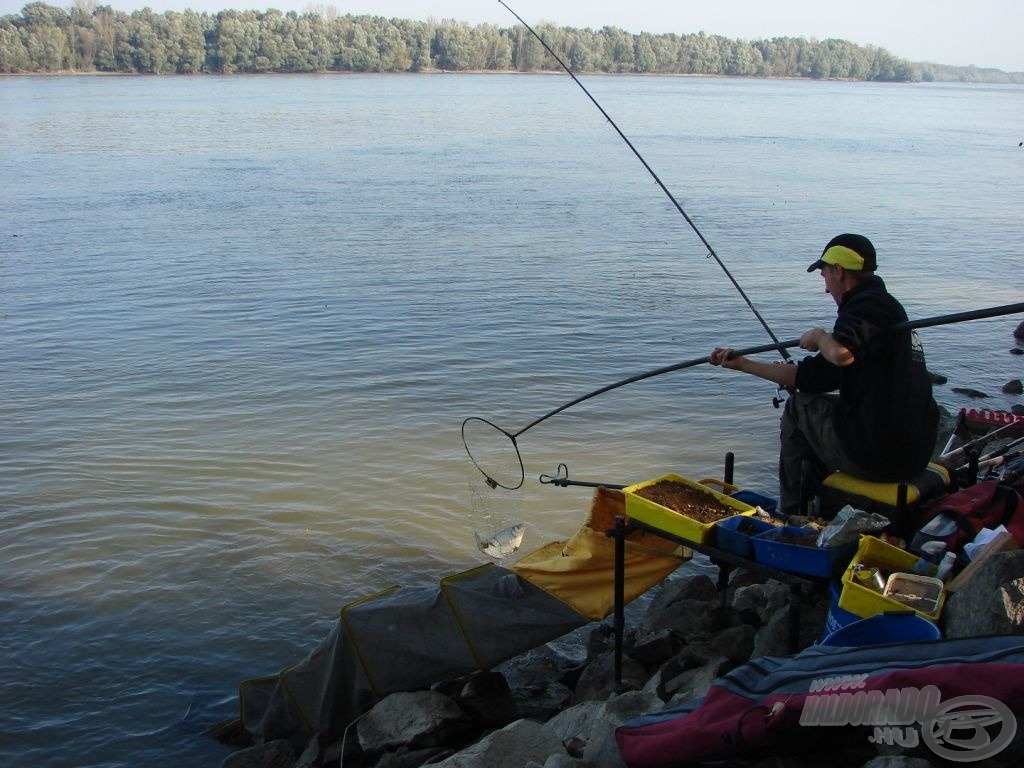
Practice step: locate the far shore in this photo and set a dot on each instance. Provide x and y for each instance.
(543, 72)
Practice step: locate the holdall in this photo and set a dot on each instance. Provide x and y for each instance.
(956, 518)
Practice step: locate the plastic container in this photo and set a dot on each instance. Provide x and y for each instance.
(735, 534)
(799, 558)
(884, 628)
(668, 520)
(922, 593)
(837, 618)
(865, 601)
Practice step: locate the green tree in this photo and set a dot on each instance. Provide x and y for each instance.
(14, 56)
(451, 46)
(643, 54)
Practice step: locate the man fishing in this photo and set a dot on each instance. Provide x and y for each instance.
(882, 424)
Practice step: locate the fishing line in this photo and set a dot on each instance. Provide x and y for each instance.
(495, 451)
(658, 181)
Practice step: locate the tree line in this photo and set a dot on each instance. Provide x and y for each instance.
(96, 38)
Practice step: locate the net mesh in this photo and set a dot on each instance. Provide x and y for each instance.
(495, 519)
(494, 452)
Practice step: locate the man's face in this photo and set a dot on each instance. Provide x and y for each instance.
(832, 275)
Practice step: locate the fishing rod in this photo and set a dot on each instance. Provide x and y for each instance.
(711, 251)
(484, 452)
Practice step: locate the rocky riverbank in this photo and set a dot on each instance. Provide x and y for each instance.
(558, 706)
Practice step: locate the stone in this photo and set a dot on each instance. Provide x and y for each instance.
(598, 678)
(411, 758)
(534, 681)
(765, 598)
(514, 746)
(590, 727)
(654, 648)
(1018, 332)
(975, 393)
(692, 619)
(488, 700)
(696, 587)
(991, 602)
(1013, 387)
(735, 643)
(565, 761)
(694, 683)
(575, 723)
(414, 719)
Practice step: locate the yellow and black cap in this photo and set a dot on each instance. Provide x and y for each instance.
(853, 252)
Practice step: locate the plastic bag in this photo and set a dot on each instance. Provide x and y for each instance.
(848, 524)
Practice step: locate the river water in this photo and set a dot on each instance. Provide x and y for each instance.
(242, 320)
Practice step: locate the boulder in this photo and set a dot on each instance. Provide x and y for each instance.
(598, 678)
(487, 699)
(535, 680)
(588, 729)
(969, 392)
(513, 746)
(414, 719)
(992, 600)
(694, 683)
(765, 599)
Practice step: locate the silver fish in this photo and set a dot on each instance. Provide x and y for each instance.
(503, 543)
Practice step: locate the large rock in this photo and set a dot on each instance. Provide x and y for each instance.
(598, 679)
(694, 683)
(765, 599)
(487, 699)
(417, 719)
(536, 680)
(992, 600)
(588, 729)
(514, 746)
(696, 587)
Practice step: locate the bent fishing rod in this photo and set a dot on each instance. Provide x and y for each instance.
(711, 251)
(511, 438)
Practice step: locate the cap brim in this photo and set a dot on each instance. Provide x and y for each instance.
(816, 265)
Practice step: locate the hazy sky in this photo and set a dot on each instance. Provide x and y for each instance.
(987, 33)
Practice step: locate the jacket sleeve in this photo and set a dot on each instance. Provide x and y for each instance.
(816, 374)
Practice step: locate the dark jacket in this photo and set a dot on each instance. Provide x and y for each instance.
(887, 418)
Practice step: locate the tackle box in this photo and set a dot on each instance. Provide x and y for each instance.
(864, 601)
(736, 534)
(662, 518)
(808, 559)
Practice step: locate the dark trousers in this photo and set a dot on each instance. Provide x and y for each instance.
(809, 443)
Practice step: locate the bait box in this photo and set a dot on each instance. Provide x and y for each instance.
(921, 593)
(661, 518)
(800, 558)
(736, 534)
(865, 601)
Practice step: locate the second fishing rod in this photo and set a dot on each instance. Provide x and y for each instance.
(711, 251)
